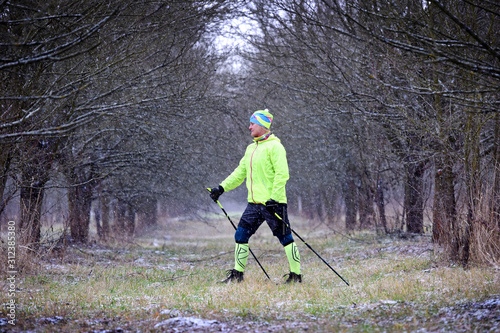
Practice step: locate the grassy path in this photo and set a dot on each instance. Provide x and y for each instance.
(168, 283)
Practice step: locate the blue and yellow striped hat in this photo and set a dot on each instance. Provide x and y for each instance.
(262, 118)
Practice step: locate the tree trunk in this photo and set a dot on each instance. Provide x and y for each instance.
(82, 183)
(130, 221)
(379, 198)
(495, 198)
(34, 175)
(350, 194)
(325, 203)
(97, 217)
(308, 205)
(366, 212)
(445, 228)
(124, 219)
(5, 159)
(31, 210)
(104, 209)
(473, 183)
(351, 210)
(120, 212)
(148, 214)
(414, 203)
(79, 204)
(444, 211)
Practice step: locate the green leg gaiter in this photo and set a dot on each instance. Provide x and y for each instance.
(240, 257)
(292, 253)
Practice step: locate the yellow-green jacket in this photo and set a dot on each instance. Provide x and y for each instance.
(266, 170)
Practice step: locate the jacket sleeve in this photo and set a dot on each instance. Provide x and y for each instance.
(236, 177)
(281, 174)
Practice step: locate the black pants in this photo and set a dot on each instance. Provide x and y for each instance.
(253, 217)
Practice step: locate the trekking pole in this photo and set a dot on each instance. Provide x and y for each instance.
(217, 201)
(309, 246)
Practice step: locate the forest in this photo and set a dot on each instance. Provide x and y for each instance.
(117, 115)
(128, 111)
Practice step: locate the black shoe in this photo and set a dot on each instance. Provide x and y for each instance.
(292, 277)
(233, 275)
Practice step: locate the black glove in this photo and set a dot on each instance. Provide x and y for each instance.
(271, 206)
(216, 192)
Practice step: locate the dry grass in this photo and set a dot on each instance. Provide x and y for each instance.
(166, 283)
(486, 241)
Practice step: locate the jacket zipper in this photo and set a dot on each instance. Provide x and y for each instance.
(251, 171)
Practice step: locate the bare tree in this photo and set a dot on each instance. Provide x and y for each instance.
(426, 74)
(87, 78)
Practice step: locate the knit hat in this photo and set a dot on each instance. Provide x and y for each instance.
(262, 118)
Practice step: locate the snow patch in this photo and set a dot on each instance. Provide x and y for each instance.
(187, 322)
(51, 320)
